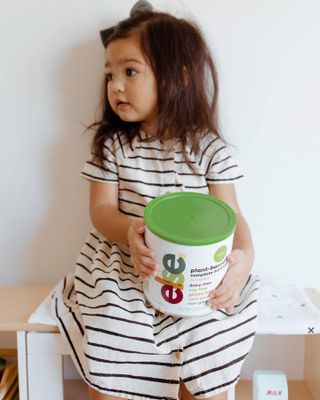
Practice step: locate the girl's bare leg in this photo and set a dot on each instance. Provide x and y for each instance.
(95, 395)
(186, 395)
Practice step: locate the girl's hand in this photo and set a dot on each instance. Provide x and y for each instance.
(227, 293)
(141, 255)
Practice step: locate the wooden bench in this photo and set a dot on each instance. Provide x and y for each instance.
(41, 349)
(39, 346)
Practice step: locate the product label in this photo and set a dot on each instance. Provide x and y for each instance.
(186, 276)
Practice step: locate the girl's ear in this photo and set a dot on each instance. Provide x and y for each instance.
(185, 75)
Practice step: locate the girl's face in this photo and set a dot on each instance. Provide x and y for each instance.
(132, 87)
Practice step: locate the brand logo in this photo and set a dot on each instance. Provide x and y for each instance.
(220, 254)
(172, 277)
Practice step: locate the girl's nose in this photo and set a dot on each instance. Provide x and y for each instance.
(117, 85)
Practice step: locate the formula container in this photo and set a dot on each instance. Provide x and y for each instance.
(191, 236)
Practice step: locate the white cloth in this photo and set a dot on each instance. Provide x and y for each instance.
(42, 314)
(282, 309)
(286, 309)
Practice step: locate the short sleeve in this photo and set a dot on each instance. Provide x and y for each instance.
(108, 171)
(220, 164)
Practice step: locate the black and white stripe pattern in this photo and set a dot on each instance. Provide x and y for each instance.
(119, 343)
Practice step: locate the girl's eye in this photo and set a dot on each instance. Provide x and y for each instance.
(131, 72)
(109, 77)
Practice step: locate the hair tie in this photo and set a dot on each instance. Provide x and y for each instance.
(141, 6)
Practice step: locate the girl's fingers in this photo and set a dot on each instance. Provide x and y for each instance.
(145, 251)
(139, 248)
(221, 299)
(144, 264)
(148, 262)
(221, 290)
(226, 303)
(143, 270)
(224, 296)
(227, 294)
(235, 257)
(220, 302)
(141, 255)
(140, 229)
(228, 285)
(230, 260)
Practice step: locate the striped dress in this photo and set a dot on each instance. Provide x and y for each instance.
(120, 344)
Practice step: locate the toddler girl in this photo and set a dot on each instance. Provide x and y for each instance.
(158, 134)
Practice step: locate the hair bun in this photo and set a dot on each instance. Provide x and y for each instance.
(141, 7)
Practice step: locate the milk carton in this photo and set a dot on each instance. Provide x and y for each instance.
(270, 385)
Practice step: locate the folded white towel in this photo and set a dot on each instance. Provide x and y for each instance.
(282, 309)
(43, 314)
(286, 309)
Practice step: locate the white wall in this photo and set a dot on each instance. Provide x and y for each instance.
(50, 73)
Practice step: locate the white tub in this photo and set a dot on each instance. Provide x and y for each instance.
(191, 235)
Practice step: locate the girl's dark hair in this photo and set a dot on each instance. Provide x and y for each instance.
(186, 77)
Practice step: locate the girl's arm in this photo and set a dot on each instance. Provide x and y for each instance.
(119, 227)
(241, 258)
(104, 212)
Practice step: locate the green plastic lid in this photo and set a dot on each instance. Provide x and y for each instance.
(188, 218)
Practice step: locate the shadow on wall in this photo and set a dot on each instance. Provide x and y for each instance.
(53, 249)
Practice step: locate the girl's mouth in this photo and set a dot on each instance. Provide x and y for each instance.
(122, 104)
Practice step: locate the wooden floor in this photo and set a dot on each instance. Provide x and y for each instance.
(77, 389)
(297, 391)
